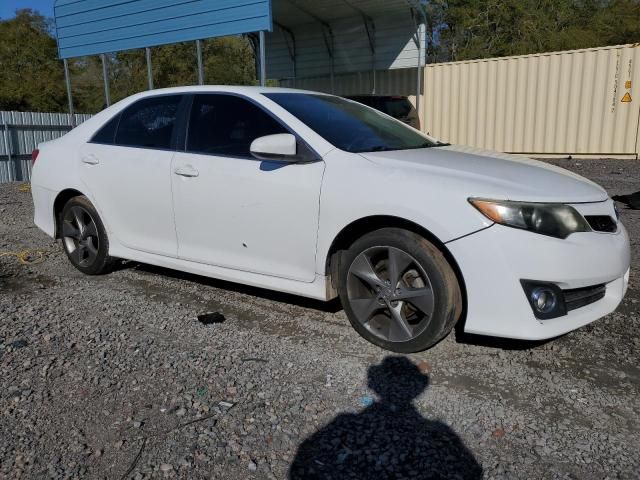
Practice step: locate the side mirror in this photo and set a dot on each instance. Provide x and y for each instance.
(281, 147)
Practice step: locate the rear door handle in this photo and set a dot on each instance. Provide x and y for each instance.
(186, 171)
(90, 159)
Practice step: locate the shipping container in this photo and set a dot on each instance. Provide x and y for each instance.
(578, 103)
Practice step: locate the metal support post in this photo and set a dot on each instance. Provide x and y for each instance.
(149, 68)
(421, 27)
(420, 70)
(263, 60)
(290, 41)
(13, 167)
(67, 80)
(200, 65)
(327, 35)
(332, 76)
(105, 76)
(370, 28)
(6, 141)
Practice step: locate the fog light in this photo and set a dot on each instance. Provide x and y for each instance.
(543, 299)
(546, 299)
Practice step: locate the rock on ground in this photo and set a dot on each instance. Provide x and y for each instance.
(112, 376)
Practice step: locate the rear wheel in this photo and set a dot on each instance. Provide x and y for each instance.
(399, 291)
(84, 238)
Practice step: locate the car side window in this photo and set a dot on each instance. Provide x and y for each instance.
(226, 125)
(149, 123)
(107, 134)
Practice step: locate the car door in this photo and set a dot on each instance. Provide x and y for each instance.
(234, 211)
(127, 170)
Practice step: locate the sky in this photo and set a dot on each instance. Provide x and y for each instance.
(8, 7)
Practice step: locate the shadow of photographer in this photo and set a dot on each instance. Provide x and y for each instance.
(389, 439)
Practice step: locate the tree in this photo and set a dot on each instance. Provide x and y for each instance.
(227, 61)
(619, 23)
(471, 29)
(31, 76)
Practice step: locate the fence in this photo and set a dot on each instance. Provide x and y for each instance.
(20, 134)
(580, 103)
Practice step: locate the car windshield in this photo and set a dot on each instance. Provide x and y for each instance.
(349, 125)
(397, 107)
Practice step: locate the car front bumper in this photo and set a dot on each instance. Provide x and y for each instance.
(495, 260)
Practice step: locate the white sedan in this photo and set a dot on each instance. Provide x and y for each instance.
(320, 196)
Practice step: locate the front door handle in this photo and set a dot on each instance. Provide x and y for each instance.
(186, 171)
(90, 159)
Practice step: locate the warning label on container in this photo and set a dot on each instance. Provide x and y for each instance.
(627, 98)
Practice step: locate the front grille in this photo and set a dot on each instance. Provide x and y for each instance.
(602, 223)
(581, 297)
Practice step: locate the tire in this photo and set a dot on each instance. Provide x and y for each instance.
(423, 307)
(84, 237)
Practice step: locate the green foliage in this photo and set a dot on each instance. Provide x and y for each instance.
(470, 29)
(620, 22)
(227, 61)
(31, 76)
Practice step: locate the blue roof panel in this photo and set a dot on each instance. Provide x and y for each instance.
(89, 27)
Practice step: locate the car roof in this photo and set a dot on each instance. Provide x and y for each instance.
(223, 88)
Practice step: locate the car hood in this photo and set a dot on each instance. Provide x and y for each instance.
(492, 175)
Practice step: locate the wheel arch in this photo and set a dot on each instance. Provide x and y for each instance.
(58, 204)
(365, 225)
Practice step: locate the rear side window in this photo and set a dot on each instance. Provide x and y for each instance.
(227, 124)
(149, 123)
(107, 134)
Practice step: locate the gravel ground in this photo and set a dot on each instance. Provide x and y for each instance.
(114, 377)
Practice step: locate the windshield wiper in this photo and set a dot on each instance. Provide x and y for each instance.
(385, 148)
(422, 145)
(381, 148)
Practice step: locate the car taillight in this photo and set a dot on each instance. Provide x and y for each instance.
(34, 155)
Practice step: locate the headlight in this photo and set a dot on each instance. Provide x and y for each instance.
(555, 220)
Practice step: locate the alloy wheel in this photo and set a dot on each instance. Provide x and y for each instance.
(390, 293)
(80, 236)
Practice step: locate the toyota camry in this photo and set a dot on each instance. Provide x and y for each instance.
(320, 196)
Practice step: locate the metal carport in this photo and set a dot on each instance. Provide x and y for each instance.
(292, 38)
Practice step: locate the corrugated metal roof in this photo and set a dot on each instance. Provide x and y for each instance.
(88, 27)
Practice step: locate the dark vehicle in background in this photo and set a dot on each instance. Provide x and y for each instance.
(396, 106)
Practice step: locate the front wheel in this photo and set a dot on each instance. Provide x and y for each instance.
(84, 238)
(398, 290)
